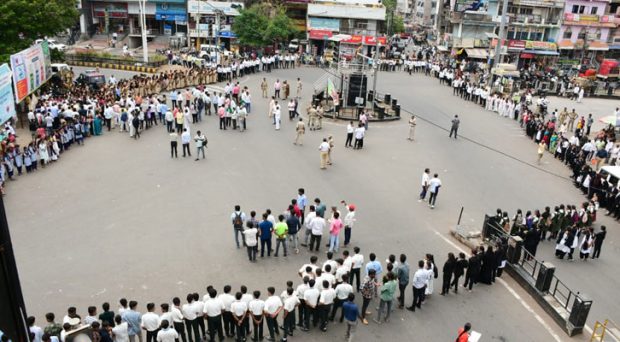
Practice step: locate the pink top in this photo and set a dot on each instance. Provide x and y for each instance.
(335, 227)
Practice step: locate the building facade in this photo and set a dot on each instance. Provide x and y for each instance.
(585, 31)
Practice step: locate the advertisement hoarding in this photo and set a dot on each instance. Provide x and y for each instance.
(31, 69)
(7, 101)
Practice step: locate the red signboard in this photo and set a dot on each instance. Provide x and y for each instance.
(527, 55)
(372, 40)
(516, 44)
(114, 10)
(355, 39)
(319, 34)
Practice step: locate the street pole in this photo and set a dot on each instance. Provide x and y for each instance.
(374, 62)
(502, 30)
(145, 51)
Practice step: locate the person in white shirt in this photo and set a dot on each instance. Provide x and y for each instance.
(186, 137)
(250, 235)
(150, 323)
(317, 226)
(349, 221)
(198, 306)
(290, 303)
(239, 314)
(359, 136)
(434, 185)
(34, 330)
(350, 130)
(307, 221)
(120, 331)
(327, 275)
(420, 278)
(213, 309)
(92, 316)
(358, 261)
(166, 334)
(342, 293)
(311, 300)
(273, 306)
(325, 303)
(227, 299)
(177, 317)
(324, 151)
(256, 308)
(191, 324)
(426, 178)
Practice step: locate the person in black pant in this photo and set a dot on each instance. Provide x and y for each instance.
(302, 304)
(200, 319)
(369, 290)
(448, 271)
(455, 126)
(402, 274)
(459, 270)
(257, 319)
(598, 242)
(227, 317)
(355, 272)
(350, 129)
(289, 317)
(419, 286)
(191, 324)
(272, 317)
(179, 326)
(174, 141)
(473, 270)
(337, 301)
(213, 308)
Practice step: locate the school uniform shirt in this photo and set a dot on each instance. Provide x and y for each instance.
(150, 321)
(120, 332)
(166, 316)
(301, 289)
(167, 335)
(238, 308)
(327, 296)
(425, 179)
(272, 304)
(332, 264)
(357, 260)
(340, 271)
(227, 299)
(311, 296)
(329, 277)
(213, 307)
(420, 278)
(188, 311)
(177, 316)
(434, 185)
(343, 290)
(198, 307)
(290, 303)
(256, 307)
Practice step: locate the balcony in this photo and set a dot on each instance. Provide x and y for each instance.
(463, 17)
(532, 19)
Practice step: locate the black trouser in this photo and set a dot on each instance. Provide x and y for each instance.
(288, 324)
(272, 325)
(180, 328)
(200, 321)
(263, 244)
(108, 122)
(349, 139)
(453, 130)
(169, 126)
(186, 147)
(401, 297)
(192, 327)
(455, 282)
(597, 250)
(337, 305)
(222, 123)
(258, 327)
(241, 329)
(315, 239)
(151, 336)
(347, 235)
(252, 252)
(215, 325)
(301, 312)
(324, 310)
(365, 303)
(445, 284)
(173, 149)
(229, 323)
(355, 274)
(470, 279)
(418, 295)
(310, 312)
(433, 197)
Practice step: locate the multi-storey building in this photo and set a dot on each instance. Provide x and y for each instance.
(469, 28)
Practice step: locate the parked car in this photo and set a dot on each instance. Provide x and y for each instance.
(293, 46)
(91, 78)
(53, 44)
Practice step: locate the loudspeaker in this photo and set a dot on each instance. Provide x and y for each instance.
(579, 312)
(357, 88)
(545, 276)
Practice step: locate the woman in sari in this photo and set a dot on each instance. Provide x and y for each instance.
(97, 125)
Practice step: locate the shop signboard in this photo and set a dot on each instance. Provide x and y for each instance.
(539, 45)
(7, 101)
(31, 69)
(324, 24)
(111, 10)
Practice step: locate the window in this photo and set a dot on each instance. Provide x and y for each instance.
(361, 24)
(525, 10)
(578, 9)
(582, 34)
(593, 10)
(568, 34)
(582, 9)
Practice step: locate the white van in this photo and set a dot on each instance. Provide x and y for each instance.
(59, 67)
(611, 174)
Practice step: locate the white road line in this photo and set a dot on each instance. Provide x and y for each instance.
(514, 294)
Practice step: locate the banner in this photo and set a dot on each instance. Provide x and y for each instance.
(31, 69)
(7, 101)
(331, 90)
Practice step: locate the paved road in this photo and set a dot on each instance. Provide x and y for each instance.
(119, 218)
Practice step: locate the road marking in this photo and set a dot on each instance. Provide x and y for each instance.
(513, 293)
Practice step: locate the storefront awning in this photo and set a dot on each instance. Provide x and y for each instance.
(614, 47)
(477, 53)
(319, 34)
(566, 45)
(598, 46)
(541, 52)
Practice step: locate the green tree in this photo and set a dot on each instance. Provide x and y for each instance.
(280, 27)
(24, 21)
(250, 26)
(398, 24)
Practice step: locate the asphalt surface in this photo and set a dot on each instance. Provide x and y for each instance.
(118, 218)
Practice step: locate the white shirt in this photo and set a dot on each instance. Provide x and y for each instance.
(324, 147)
(317, 225)
(250, 237)
(120, 332)
(167, 335)
(349, 219)
(327, 296)
(329, 277)
(435, 183)
(256, 307)
(213, 307)
(309, 218)
(177, 316)
(419, 278)
(425, 179)
(239, 308)
(272, 304)
(311, 296)
(150, 321)
(358, 260)
(343, 290)
(186, 137)
(38, 333)
(290, 303)
(332, 264)
(188, 311)
(227, 299)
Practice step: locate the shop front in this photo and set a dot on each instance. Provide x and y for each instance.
(172, 17)
(110, 17)
(319, 41)
(135, 29)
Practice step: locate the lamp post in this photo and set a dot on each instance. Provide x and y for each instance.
(502, 30)
(145, 50)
